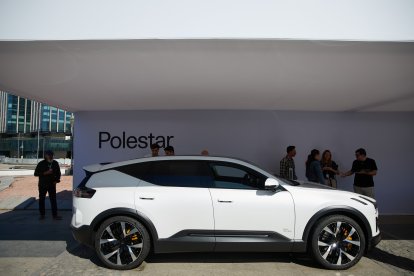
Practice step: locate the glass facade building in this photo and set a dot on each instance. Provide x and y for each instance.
(22, 119)
(20, 115)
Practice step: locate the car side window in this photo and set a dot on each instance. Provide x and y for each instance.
(234, 176)
(137, 170)
(179, 173)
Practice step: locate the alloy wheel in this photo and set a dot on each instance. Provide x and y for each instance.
(121, 243)
(339, 243)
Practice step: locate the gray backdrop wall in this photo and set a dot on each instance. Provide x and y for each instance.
(262, 137)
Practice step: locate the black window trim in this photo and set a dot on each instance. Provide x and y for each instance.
(151, 165)
(240, 167)
(208, 163)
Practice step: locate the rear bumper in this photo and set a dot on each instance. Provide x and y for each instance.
(83, 235)
(374, 241)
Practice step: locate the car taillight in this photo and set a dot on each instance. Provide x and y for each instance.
(84, 192)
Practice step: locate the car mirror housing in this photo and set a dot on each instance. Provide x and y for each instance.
(271, 183)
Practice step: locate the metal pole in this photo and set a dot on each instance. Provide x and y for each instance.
(18, 146)
(72, 121)
(38, 134)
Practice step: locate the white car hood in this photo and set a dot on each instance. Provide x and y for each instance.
(309, 188)
(313, 185)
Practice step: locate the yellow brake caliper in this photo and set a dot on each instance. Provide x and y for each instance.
(349, 238)
(134, 237)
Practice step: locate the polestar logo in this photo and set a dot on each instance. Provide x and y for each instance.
(124, 141)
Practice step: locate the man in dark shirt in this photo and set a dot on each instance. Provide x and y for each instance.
(48, 171)
(287, 164)
(364, 169)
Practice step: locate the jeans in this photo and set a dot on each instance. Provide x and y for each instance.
(49, 188)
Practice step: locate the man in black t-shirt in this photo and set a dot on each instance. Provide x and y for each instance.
(364, 169)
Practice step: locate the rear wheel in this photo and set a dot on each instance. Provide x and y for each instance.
(337, 242)
(122, 243)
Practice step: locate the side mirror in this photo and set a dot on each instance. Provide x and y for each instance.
(271, 184)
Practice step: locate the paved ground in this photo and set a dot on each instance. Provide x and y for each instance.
(30, 247)
(5, 182)
(4, 167)
(23, 194)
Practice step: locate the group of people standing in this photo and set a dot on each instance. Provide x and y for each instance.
(168, 150)
(323, 170)
(155, 150)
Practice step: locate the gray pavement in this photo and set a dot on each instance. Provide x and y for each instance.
(17, 202)
(29, 202)
(5, 182)
(32, 247)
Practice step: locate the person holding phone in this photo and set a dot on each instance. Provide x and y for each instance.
(48, 171)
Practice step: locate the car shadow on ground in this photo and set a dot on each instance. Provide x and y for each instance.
(394, 232)
(85, 252)
(231, 257)
(23, 226)
(385, 257)
(376, 254)
(303, 259)
(300, 259)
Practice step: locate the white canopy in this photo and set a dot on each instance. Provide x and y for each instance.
(346, 55)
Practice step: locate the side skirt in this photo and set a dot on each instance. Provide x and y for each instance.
(228, 241)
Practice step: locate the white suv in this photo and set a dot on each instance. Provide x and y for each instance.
(216, 204)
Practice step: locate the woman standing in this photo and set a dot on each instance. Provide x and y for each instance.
(313, 167)
(329, 168)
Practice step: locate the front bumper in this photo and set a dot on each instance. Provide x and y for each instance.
(83, 235)
(374, 241)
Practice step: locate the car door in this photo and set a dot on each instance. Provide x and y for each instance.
(174, 195)
(248, 217)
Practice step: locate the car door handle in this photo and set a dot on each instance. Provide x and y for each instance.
(225, 201)
(146, 198)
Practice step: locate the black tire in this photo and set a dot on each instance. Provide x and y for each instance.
(336, 247)
(122, 243)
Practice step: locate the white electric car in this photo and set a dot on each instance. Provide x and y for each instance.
(125, 210)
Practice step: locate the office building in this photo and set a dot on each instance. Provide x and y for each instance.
(21, 120)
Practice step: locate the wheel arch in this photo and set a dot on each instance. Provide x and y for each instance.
(338, 210)
(99, 219)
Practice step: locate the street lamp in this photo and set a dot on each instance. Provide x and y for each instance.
(72, 121)
(22, 147)
(38, 134)
(18, 146)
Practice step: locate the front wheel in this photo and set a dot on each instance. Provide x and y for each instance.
(337, 242)
(122, 243)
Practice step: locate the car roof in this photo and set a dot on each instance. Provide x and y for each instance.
(107, 166)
